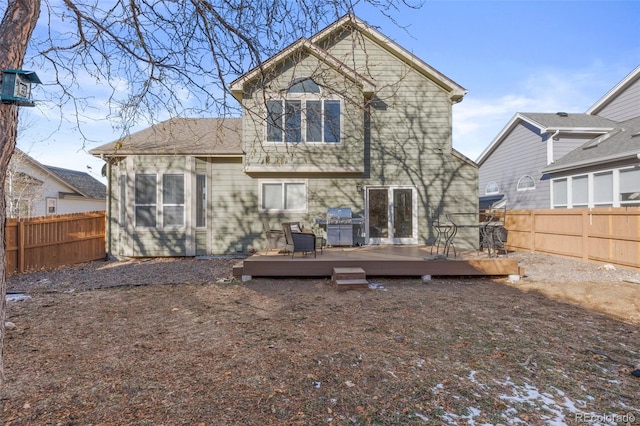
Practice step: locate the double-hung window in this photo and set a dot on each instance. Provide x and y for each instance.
(146, 200)
(173, 200)
(304, 116)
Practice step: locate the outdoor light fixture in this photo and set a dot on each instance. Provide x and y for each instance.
(359, 187)
(16, 87)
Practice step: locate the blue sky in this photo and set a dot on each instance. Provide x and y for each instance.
(511, 56)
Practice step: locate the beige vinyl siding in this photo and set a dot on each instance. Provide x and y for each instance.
(319, 157)
(233, 213)
(625, 106)
(156, 241)
(410, 136)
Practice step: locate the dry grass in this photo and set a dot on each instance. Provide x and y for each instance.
(297, 352)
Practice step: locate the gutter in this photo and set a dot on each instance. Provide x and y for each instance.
(585, 163)
(108, 254)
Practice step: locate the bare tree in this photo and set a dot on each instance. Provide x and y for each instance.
(22, 190)
(158, 58)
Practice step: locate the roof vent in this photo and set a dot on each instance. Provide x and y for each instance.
(562, 114)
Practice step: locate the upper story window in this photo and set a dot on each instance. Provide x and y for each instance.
(492, 188)
(305, 115)
(525, 183)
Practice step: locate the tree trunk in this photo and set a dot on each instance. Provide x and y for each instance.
(17, 25)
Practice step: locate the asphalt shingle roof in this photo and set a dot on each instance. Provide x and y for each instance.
(623, 142)
(555, 120)
(82, 182)
(203, 136)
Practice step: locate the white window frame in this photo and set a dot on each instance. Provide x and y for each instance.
(486, 189)
(303, 98)
(165, 204)
(615, 200)
(283, 184)
(527, 188)
(160, 202)
(618, 189)
(592, 187)
(571, 203)
(568, 191)
(136, 204)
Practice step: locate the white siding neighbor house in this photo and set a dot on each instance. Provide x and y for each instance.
(34, 189)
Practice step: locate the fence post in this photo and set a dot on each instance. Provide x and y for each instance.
(532, 231)
(585, 233)
(21, 257)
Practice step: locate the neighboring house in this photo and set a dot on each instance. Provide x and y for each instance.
(560, 160)
(346, 118)
(33, 189)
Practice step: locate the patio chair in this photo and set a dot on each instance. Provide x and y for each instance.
(444, 232)
(298, 241)
(275, 237)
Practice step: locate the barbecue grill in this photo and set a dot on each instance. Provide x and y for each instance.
(339, 227)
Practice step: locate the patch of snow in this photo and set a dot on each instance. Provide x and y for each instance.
(16, 297)
(376, 286)
(421, 417)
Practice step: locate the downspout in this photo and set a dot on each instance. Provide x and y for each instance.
(550, 158)
(108, 254)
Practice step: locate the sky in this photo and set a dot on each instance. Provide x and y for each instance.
(511, 56)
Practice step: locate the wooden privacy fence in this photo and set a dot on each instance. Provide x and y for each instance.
(52, 241)
(610, 235)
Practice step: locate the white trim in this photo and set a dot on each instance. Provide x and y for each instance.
(391, 239)
(486, 188)
(615, 182)
(615, 91)
(237, 86)
(456, 92)
(303, 98)
(528, 188)
(282, 182)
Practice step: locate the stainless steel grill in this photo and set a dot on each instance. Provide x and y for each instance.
(339, 227)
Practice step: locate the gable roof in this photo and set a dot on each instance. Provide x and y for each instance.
(613, 93)
(81, 182)
(349, 21)
(548, 123)
(303, 44)
(180, 136)
(623, 143)
(568, 123)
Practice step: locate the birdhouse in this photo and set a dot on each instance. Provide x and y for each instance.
(16, 87)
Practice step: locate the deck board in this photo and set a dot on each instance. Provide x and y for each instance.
(377, 261)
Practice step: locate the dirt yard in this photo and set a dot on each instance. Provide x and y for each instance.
(177, 342)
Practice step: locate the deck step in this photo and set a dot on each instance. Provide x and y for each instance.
(349, 279)
(358, 284)
(348, 273)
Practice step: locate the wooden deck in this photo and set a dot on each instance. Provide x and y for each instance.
(376, 261)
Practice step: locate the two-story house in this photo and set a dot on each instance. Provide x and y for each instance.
(566, 160)
(345, 118)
